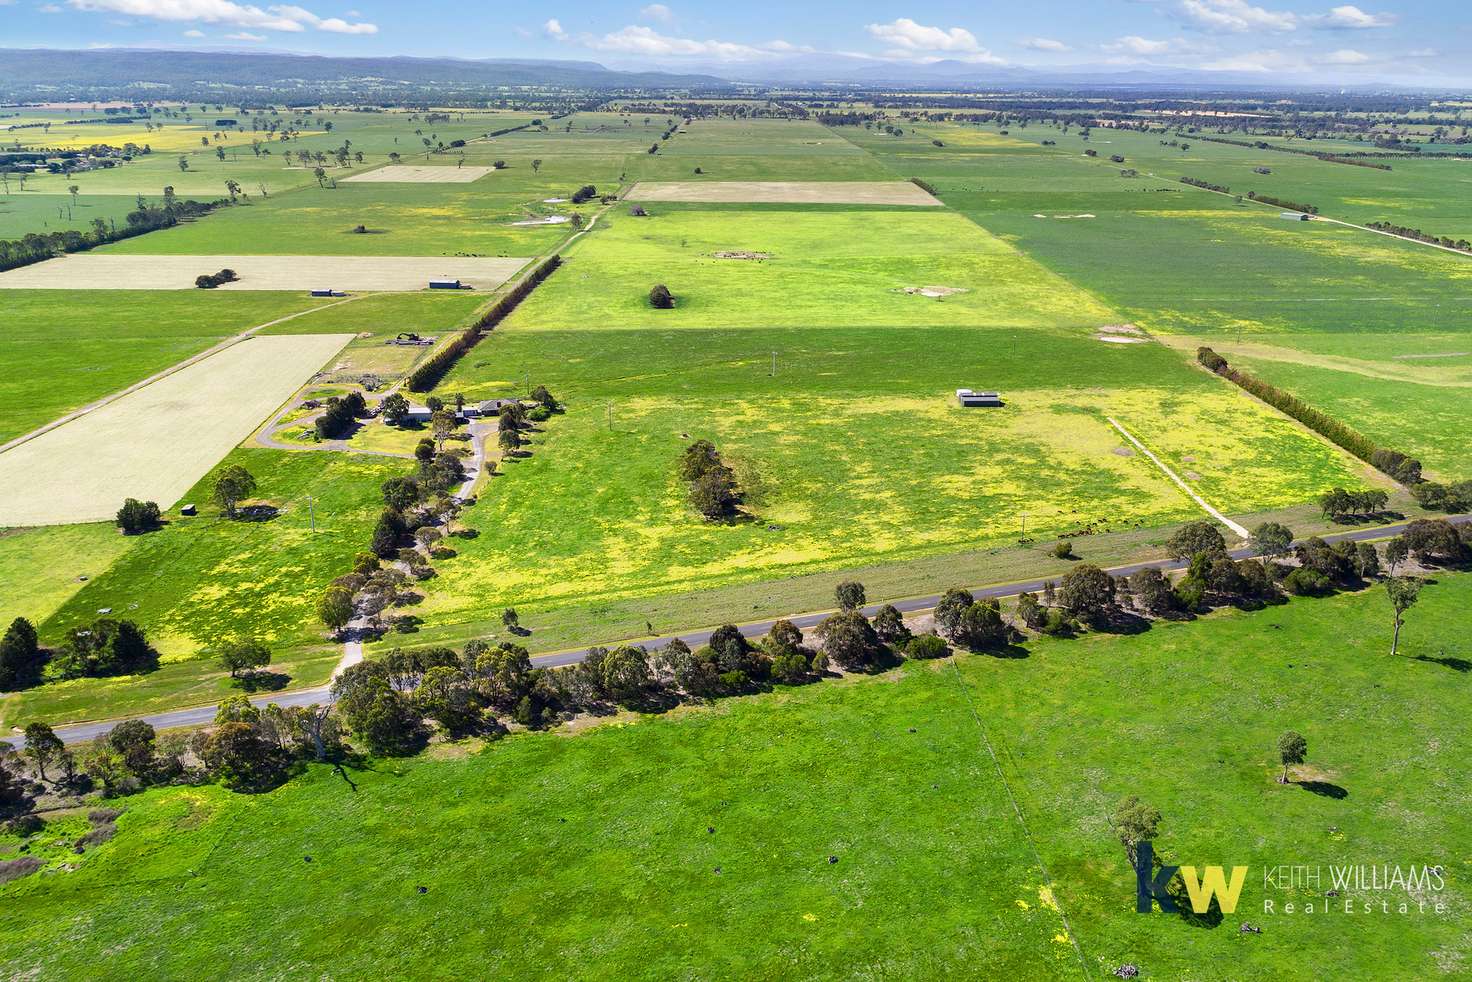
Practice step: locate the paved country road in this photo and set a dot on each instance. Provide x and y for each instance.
(204, 715)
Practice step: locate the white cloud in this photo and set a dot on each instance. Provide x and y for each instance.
(1352, 18)
(917, 42)
(1345, 56)
(657, 11)
(639, 40)
(337, 25)
(553, 29)
(194, 33)
(1045, 44)
(45, 8)
(1423, 53)
(288, 17)
(245, 36)
(1236, 16)
(1133, 44)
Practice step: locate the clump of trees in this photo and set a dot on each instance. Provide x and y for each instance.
(660, 297)
(711, 484)
(35, 247)
(21, 656)
(341, 414)
(106, 647)
(137, 517)
(585, 193)
(208, 281)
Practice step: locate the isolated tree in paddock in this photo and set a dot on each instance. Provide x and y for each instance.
(244, 655)
(1403, 592)
(232, 486)
(660, 297)
(698, 458)
(715, 493)
(335, 608)
(510, 619)
(1292, 749)
(1272, 539)
(1135, 822)
(850, 595)
(1195, 538)
(320, 175)
(1087, 591)
(1397, 551)
(395, 408)
(43, 747)
(536, 164)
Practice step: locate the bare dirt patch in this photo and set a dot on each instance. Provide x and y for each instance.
(548, 220)
(106, 271)
(1118, 339)
(417, 174)
(934, 292)
(1120, 329)
(785, 192)
(153, 444)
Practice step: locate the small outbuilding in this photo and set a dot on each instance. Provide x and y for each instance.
(418, 414)
(972, 400)
(1293, 216)
(188, 509)
(444, 283)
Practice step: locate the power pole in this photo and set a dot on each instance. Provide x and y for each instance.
(312, 512)
(774, 364)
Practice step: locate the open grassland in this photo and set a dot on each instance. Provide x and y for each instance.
(203, 580)
(40, 568)
(642, 847)
(62, 349)
(825, 268)
(854, 452)
(23, 212)
(784, 192)
(1363, 325)
(100, 270)
(153, 444)
(427, 219)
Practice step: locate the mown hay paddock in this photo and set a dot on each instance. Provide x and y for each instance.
(154, 444)
(108, 271)
(412, 174)
(785, 192)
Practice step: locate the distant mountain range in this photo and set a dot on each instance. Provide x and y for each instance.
(34, 74)
(27, 73)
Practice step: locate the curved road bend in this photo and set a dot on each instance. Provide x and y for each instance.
(204, 715)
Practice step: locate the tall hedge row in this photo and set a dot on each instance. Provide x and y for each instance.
(1392, 462)
(428, 375)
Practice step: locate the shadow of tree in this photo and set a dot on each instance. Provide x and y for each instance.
(1452, 662)
(1324, 789)
(263, 681)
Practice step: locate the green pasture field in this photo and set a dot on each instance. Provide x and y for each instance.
(63, 349)
(199, 581)
(829, 266)
(426, 219)
(23, 212)
(643, 846)
(1434, 195)
(40, 568)
(1352, 321)
(853, 451)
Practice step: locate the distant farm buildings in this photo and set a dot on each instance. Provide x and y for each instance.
(973, 400)
(1293, 216)
(444, 284)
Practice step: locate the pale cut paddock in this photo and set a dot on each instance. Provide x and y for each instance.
(411, 174)
(785, 192)
(393, 274)
(155, 443)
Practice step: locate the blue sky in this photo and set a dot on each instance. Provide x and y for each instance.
(1409, 40)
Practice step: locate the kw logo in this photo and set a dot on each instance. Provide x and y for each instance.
(1154, 886)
